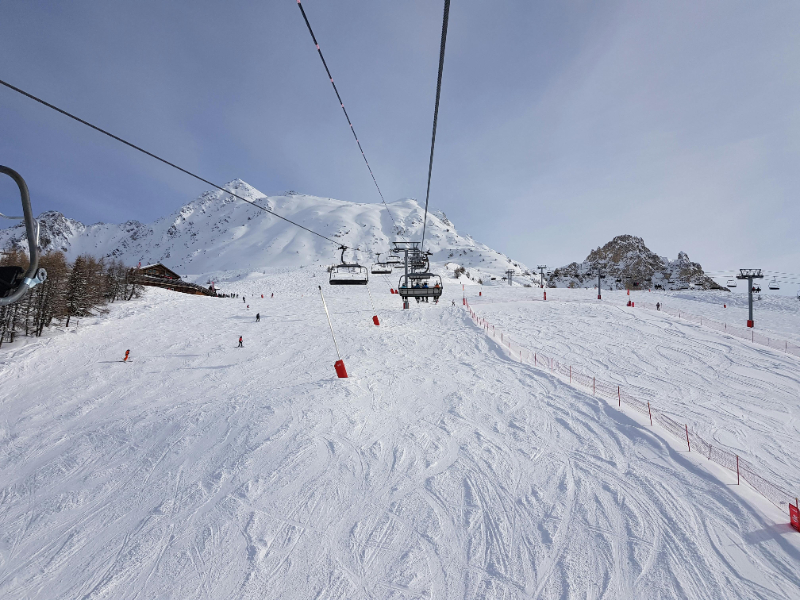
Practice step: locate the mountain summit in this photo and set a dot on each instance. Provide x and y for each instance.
(628, 262)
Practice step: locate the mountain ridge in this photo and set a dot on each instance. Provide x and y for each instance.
(217, 232)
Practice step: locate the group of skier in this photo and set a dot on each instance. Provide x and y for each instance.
(258, 316)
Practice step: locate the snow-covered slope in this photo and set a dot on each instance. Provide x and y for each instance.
(441, 469)
(217, 232)
(627, 260)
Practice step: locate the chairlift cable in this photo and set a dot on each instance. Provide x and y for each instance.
(166, 162)
(435, 114)
(344, 110)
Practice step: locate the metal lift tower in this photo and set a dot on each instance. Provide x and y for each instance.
(600, 275)
(750, 274)
(541, 274)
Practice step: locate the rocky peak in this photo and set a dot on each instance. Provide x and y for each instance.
(627, 261)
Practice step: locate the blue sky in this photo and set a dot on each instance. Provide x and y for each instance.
(561, 124)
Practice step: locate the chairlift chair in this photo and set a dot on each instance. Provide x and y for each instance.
(348, 273)
(773, 285)
(731, 283)
(14, 281)
(420, 285)
(381, 268)
(394, 261)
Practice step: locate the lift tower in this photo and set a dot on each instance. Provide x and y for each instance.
(750, 274)
(600, 275)
(541, 274)
(510, 274)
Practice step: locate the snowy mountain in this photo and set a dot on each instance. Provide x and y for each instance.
(627, 261)
(217, 232)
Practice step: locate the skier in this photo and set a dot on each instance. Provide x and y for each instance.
(244, 299)
(127, 353)
(272, 295)
(241, 345)
(258, 317)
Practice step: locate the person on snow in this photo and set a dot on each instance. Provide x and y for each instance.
(244, 299)
(258, 317)
(272, 294)
(241, 345)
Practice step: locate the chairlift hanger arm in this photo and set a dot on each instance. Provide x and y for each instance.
(34, 275)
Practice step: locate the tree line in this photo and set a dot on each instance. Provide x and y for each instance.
(72, 291)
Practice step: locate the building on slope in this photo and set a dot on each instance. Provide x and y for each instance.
(158, 275)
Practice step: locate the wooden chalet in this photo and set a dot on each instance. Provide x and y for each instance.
(158, 275)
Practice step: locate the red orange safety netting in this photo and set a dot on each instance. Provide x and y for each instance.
(748, 334)
(614, 393)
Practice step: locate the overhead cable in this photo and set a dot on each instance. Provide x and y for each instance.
(435, 113)
(166, 162)
(344, 110)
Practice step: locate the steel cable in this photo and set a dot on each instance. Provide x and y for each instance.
(166, 162)
(435, 114)
(344, 110)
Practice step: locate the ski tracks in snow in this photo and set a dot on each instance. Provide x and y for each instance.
(440, 469)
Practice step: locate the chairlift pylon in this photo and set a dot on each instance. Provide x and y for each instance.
(348, 273)
(14, 281)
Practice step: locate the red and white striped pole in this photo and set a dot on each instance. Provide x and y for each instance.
(341, 372)
(375, 315)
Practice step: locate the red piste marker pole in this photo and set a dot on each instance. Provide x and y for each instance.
(341, 372)
(794, 514)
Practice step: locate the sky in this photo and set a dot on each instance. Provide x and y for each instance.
(561, 125)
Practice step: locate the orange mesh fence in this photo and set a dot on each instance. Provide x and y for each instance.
(613, 392)
(741, 332)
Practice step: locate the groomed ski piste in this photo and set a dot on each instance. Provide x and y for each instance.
(441, 468)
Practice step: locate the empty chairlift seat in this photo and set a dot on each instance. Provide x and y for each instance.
(348, 273)
(381, 268)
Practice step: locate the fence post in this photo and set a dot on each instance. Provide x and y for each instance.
(687, 438)
(737, 469)
(619, 396)
(649, 412)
